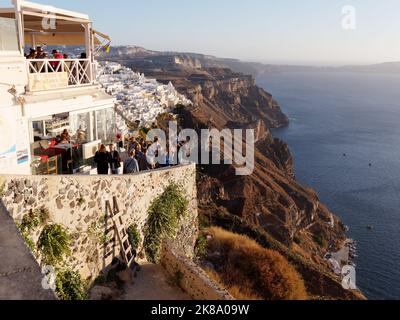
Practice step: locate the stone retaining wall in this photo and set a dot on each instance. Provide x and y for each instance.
(194, 279)
(78, 203)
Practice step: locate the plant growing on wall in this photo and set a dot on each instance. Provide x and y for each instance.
(134, 237)
(53, 244)
(163, 220)
(96, 231)
(30, 222)
(29, 242)
(70, 286)
(34, 219)
(201, 247)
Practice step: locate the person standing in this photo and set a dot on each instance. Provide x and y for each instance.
(141, 158)
(119, 142)
(130, 164)
(132, 145)
(114, 160)
(102, 160)
(153, 153)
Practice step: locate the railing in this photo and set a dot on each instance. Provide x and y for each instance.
(47, 74)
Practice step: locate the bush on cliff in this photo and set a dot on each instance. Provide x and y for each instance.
(250, 271)
(163, 220)
(70, 286)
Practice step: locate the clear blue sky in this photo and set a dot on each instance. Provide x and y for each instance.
(277, 31)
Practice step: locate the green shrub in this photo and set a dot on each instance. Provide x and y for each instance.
(163, 220)
(96, 230)
(53, 244)
(69, 286)
(201, 246)
(176, 279)
(28, 241)
(320, 240)
(34, 219)
(29, 222)
(134, 237)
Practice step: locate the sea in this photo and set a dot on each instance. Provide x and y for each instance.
(344, 134)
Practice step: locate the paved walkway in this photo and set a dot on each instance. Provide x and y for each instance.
(20, 275)
(152, 284)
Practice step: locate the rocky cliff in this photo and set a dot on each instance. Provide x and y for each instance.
(270, 204)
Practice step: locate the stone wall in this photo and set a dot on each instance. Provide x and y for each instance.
(78, 204)
(194, 279)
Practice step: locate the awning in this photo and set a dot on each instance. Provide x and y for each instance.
(67, 39)
(54, 39)
(69, 30)
(102, 35)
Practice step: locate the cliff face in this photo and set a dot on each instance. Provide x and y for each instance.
(270, 200)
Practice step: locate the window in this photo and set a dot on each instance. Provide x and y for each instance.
(81, 127)
(8, 35)
(105, 124)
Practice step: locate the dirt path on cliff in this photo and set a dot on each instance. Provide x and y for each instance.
(152, 284)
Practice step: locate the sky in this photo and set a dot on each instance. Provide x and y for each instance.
(271, 31)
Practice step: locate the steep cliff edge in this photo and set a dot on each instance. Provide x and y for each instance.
(269, 205)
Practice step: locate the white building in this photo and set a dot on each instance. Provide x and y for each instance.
(140, 99)
(39, 98)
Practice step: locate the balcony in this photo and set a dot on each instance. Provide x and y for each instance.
(31, 25)
(51, 74)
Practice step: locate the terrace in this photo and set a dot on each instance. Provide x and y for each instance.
(45, 26)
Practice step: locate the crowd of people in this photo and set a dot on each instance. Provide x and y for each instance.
(141, 156)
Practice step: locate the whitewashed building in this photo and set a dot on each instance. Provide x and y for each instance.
(139, 99)
(40, 98)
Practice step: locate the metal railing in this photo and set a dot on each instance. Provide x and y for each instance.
(47, 74)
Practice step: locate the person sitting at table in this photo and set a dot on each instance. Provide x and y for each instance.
(102, 159)
(65, 137)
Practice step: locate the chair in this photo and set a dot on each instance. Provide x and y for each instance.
(52, 165)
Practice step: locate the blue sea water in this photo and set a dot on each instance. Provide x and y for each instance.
(357, 114)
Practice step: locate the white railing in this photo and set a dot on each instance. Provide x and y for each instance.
(46, 74)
